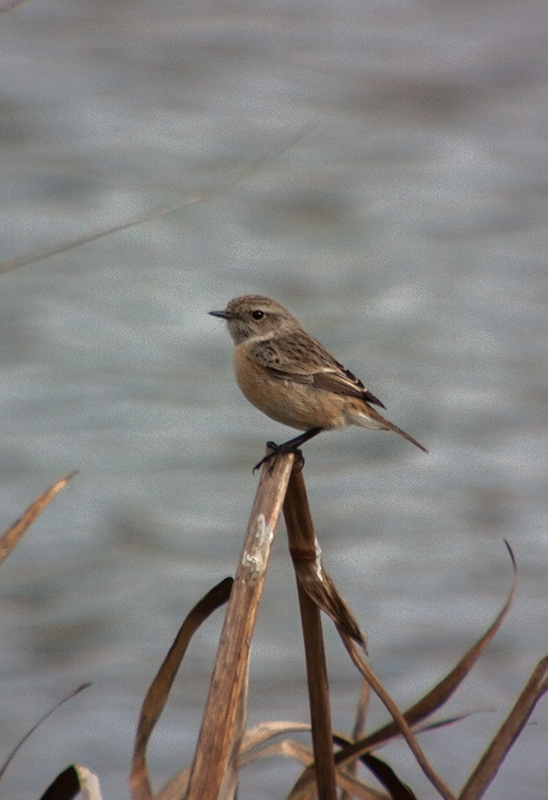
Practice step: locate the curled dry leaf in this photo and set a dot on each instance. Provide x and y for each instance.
(259, 735)
(156, 697)
(319, 586)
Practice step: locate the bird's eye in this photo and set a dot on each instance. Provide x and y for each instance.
(258, 314)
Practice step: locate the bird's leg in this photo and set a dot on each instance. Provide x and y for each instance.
(291, 446)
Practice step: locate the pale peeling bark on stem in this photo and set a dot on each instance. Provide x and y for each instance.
(255, 558)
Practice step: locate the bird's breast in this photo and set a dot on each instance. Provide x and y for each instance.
(299, 405)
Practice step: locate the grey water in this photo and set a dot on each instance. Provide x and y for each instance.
(381, 168)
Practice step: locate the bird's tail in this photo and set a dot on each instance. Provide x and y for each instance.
(372, 419)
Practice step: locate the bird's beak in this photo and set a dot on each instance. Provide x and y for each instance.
(222, 314)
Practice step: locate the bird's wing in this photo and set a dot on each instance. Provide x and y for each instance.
(342, 381)
(304, 360)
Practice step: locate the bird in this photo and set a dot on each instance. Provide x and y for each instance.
(292, 378)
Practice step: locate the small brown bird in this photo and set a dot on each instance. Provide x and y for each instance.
(292, 378)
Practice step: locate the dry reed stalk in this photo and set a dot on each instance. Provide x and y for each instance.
(224, 719)
(304, 548)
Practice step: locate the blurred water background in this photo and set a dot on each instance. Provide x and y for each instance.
(380, 167)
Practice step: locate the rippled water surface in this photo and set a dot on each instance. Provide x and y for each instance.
(382, 169)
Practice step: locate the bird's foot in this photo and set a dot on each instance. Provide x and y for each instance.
(291, 446)
(278, 450)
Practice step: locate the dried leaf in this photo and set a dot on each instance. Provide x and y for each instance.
(289, 748)
(351, 786)
(305, 554)
(71, 782)
(359, 727)
(443, 690)
(65, 786)
(361, 711)
(487, 768)
(319, 586)
(446, 721)
(13, 534)
(156, 697)
(255, 738)
(356, 788)
(387, 777)
(305, 788)
(176, 788)
(398, 717)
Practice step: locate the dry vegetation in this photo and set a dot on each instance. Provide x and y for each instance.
(224, 745)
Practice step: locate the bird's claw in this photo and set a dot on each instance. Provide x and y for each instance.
(277, 450)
